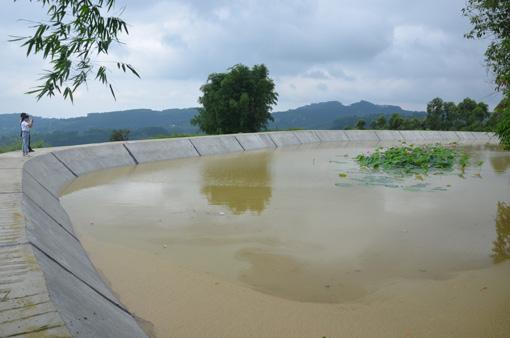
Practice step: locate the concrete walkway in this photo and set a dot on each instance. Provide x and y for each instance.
(25, 306)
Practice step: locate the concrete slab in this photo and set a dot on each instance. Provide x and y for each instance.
(85, 312)
(50, 172)
(411, 135)
(255, 141)
(450, 136)
(284, 138)
(481, 136)
(12, 229)
(10, 180)
(465, 136)
(331, 135)
(306, 136)
(11, 163)
(214, 145)
(389, 135)
(63, 247)
(83, 160)
(161, 150)
(26, 308)
(46, 201)
(362, 135)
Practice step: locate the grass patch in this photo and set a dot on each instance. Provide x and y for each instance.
(16, 146)
(415, 159)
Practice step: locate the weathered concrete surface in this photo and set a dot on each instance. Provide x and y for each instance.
(48, 286)
(307, 136)
(83, 160)
(362, 135)
(255, 141)
(161, 150)
(389, 135)
(25, 307)
(214, 145)
(85, 312)
(411, 135)
(50, 172)
(332, 135)
(44, 233)
(284, 138)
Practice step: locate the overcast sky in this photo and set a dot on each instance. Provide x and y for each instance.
(402, 52)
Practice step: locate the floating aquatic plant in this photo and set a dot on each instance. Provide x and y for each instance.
(414, 159)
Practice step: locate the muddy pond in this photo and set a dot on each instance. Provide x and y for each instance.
(301, 242)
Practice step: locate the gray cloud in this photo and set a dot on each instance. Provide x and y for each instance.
(390, 52)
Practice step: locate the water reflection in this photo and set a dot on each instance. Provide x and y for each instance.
(501, 249)
(243, 184)
(500, 164)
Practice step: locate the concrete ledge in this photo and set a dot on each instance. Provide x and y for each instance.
(362, 135)
(80, 303)
(214, 145)
(84, 311)
(284, 138)
(332, 135)
(389, 135)
(161, 150)
(306, 136)
(255, 141)
(83, 160)
(50, 172)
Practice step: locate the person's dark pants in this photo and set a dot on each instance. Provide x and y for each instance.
(29, 147)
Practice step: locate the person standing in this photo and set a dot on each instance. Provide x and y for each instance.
(26, 124)
(22, 117)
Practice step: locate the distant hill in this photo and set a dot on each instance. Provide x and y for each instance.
(334, 115)
(145, 123)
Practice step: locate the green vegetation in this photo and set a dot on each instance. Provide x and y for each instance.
(15, 146)
(414, 159)
(119, 135)
(502, 127)
(491, 19)
(75, 33)
(164, 136)
(467, 115)
(237, 101)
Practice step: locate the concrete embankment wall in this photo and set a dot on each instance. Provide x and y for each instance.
(83, 300)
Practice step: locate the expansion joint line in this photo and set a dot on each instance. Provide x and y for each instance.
(130, 153)
(65, 165)
(239, 143)
(193, 144)
(80, 279)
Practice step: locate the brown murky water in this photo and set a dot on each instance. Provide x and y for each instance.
(285, 224)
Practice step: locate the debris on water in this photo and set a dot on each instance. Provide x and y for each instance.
(423, 270)
(343, 175)
(165, 246)
(91, 223)
(222, 213)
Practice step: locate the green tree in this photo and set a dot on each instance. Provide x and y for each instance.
(240, 100)
(396, 121)
(360, 125)
(435, 114)
(472, 115)
(491, 19)
(379, 123)
(120, 135)
(412, 124)
(75, 33)
(503, 125)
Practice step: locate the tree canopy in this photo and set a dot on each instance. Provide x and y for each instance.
(239, 100)
(75, 33)
(491, 19)
(467, 115)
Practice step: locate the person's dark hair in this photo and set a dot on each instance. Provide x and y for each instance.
(23, 116)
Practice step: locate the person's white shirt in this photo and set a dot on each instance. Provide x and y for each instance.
(25, 126)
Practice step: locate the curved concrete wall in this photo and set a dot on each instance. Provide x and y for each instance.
(84, 302)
